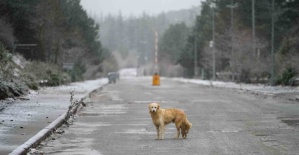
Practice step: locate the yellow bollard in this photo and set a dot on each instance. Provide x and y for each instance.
(156, 79)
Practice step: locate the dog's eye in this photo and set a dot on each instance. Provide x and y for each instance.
(155, 107)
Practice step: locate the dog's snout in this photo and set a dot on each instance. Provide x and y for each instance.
(153, 108)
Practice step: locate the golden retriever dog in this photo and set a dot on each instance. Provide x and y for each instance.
(162, 117)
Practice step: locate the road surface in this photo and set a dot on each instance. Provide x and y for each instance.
(225, 121)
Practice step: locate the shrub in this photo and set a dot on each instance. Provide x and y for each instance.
(11, 89)
(46, 74)
(77, 72)
(30, 81)
(287, 76)
(5, 63)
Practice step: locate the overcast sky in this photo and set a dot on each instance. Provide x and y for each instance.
(136, 7)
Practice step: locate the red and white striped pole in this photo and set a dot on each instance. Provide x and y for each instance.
(156, 76)
(156, 52)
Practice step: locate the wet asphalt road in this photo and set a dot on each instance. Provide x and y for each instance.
(224, 122)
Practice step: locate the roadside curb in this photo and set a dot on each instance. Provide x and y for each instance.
(43, 134)
(48, 130)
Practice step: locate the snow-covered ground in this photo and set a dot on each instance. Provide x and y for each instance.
(79, 88)
(260, 88)
(128, 72)
(85, 86)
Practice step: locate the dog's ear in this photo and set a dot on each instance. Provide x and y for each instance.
(158, 105)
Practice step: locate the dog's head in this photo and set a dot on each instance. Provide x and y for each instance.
(186, 129)
(153, 107)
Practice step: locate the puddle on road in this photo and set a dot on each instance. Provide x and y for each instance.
(267, 140)
(290, 121)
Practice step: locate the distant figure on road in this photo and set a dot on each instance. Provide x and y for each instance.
(113, 76)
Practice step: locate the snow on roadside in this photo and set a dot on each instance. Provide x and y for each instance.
(78, 87)
(85, 85)
(128, 72)
(260, 88)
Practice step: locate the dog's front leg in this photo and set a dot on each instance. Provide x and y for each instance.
(158, 133)
(162, 130)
